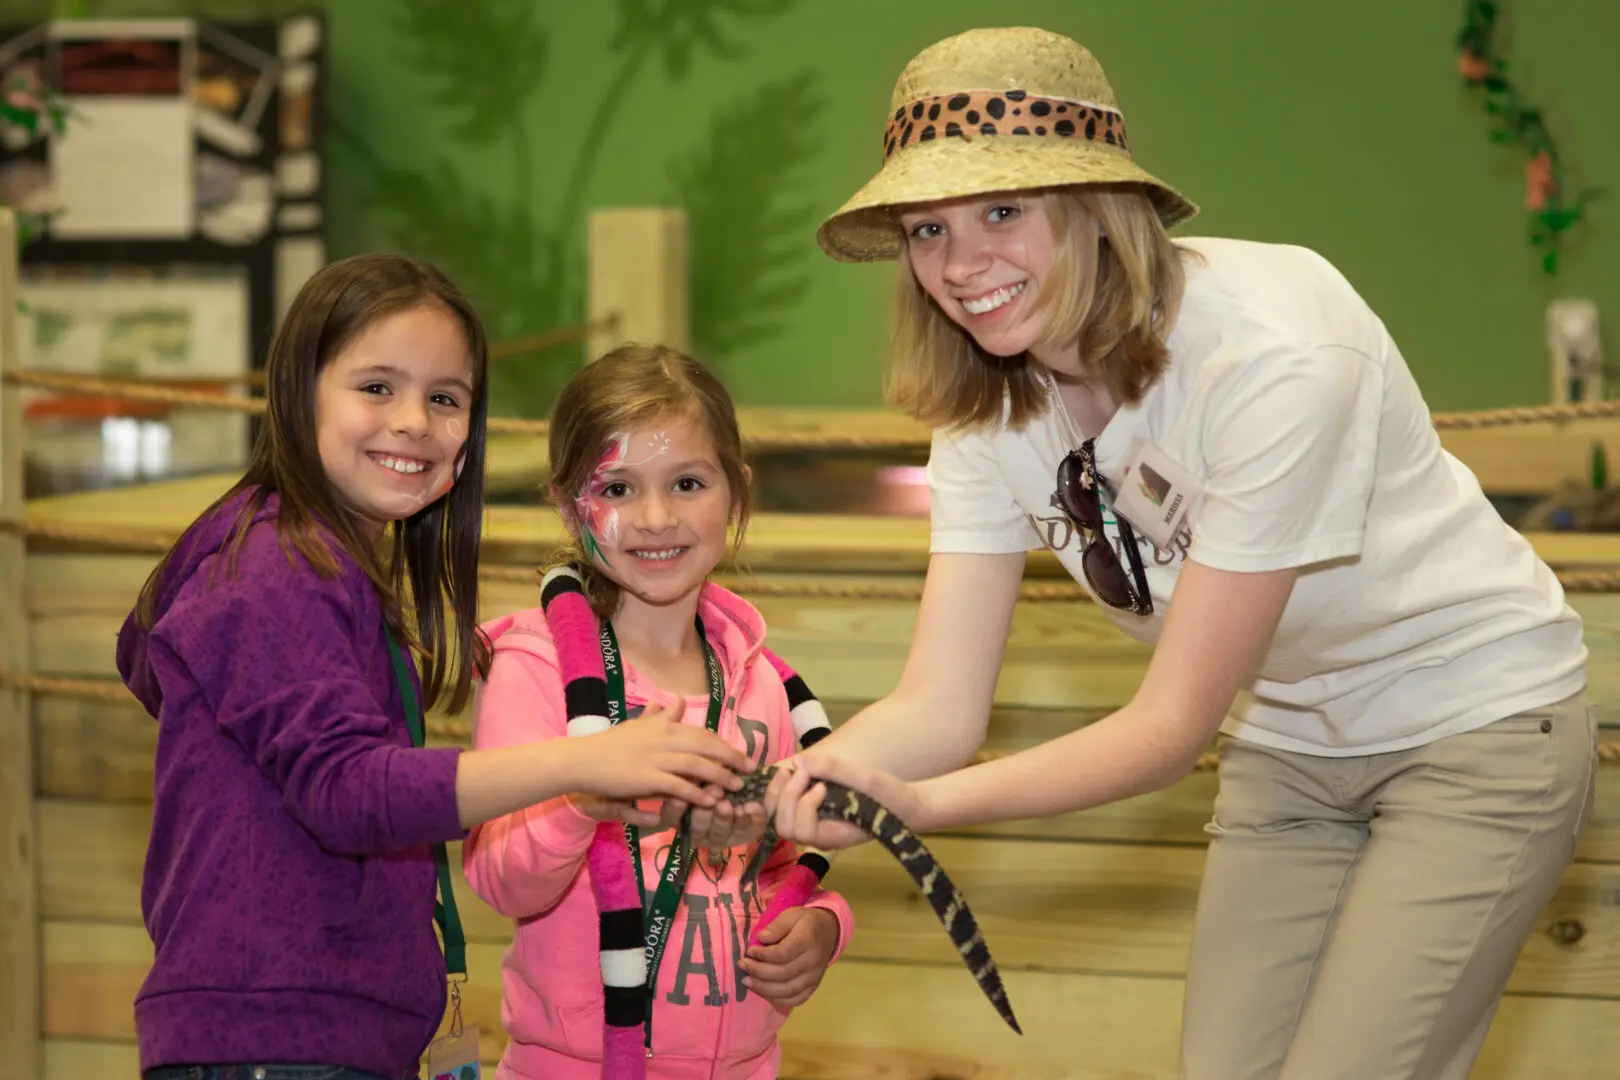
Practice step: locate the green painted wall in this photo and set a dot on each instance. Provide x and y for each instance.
(481, 132)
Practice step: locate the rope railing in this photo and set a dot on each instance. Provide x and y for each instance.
(1528, 414)
(211, 393)
(532, 343)
(749, 585)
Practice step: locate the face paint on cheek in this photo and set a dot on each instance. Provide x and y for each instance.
(608, 460)
(452, 428)
(597, 525)
(445, 485)
(598, 520)
(455, 442)
(407, 504)
(606, 528)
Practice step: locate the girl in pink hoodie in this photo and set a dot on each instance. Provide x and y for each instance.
(648, 474)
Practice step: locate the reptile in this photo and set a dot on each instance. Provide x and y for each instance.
(593, 690)
(873, 818)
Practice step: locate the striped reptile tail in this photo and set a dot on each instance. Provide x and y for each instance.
(845, 804)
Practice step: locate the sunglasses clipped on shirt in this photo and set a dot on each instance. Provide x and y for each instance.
(1079, 494)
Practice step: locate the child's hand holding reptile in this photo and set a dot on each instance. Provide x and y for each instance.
(793, 954)
(604, 809)
(725, 826)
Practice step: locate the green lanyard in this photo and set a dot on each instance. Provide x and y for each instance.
(659, 917)
(444, 909)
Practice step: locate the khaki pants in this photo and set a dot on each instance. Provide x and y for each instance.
(1359, 917)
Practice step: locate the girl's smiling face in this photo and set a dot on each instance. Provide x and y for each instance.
(392, 412)
(657, 507)
(984, 260)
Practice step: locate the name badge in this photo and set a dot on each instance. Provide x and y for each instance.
(1155, 494)
(455, 1056)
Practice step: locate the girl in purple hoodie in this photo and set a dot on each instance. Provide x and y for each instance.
(298, 822)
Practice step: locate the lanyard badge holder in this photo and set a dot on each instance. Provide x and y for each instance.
(658, 912)
(453, 1055)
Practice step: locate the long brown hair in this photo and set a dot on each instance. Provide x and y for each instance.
(1121, 314)
(436, 548)
(627, 388)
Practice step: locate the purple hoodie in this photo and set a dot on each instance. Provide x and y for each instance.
(289, 881)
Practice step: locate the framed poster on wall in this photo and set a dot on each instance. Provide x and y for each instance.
(183, 326)
(185, 206)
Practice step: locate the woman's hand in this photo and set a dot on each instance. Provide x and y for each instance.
(797, 793)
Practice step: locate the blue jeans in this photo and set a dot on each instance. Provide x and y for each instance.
(258, 1072)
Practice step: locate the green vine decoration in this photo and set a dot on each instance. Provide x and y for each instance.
(1551, 208)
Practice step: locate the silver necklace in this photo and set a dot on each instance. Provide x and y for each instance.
(1062, 407)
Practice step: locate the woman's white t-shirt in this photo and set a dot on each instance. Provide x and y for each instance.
(1418, 612)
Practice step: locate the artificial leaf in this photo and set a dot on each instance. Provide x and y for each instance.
(743, 190)
(676, 27)
(493, 251)
(482, 60)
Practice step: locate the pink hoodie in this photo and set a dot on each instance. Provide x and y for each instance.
(530, 866)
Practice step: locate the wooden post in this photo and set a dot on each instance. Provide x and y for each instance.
(20, 964)
(638, 277)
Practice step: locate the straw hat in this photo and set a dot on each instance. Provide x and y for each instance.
(1006, 109)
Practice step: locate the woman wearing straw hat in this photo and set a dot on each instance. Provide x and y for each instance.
(1222, 442)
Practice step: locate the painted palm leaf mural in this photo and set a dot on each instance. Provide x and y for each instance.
(517, 245)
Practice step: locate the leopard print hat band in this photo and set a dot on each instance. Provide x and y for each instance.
(992, 110)
(1001, 112)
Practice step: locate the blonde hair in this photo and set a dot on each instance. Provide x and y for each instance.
(627, 388)
(1120, 314)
